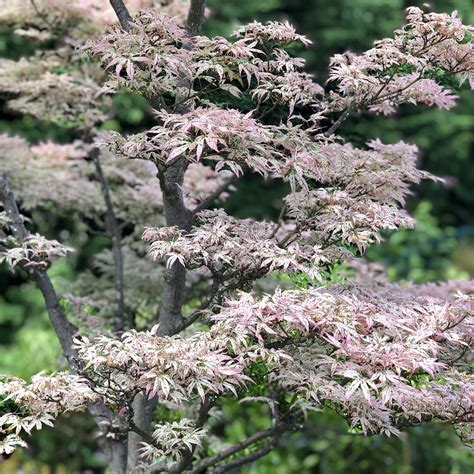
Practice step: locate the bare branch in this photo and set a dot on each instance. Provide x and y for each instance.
(115, 235)
(41, 14)
(279, 220)
(64, 329)
(195, 16)
(279, 427)
(194, 316)
(215, 195)
(263, 451)
(211, 461)
(341, 119)
(122, 13)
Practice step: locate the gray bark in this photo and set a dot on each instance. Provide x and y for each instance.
(176, 214)
(122, 13)
(116, 455)
(170, 314)
(142, 417)
(195, 16)
(112, 437)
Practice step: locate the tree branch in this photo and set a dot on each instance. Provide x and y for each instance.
(187, 454)
(194, 316)
(204, 204)
(41, 14)
(338, 122)
(279, 220)
(376, 99)
(62, 326)
(263, 451)
(115, 235)
(122, 13)
(211, 461)
(64, 329)
(278, 428)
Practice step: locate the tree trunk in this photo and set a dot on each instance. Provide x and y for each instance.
(176, 214)
(116, 455)
(143, 417)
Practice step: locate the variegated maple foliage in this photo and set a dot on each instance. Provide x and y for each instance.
(383, 355)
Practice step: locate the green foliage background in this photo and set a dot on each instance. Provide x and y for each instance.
(439, 248)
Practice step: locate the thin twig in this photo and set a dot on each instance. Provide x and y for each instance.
(404, 88)
(287, 239)
(279, 221)
(41, 14)
(115, 235)
(194, 316)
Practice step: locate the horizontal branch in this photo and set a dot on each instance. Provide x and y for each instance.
(259, 453)
(211, 461)
(279, 427)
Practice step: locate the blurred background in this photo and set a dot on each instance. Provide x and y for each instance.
(440, 247)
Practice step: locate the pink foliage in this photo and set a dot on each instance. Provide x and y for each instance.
(428, 41)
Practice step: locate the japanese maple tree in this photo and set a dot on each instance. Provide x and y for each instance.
(173, 319)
